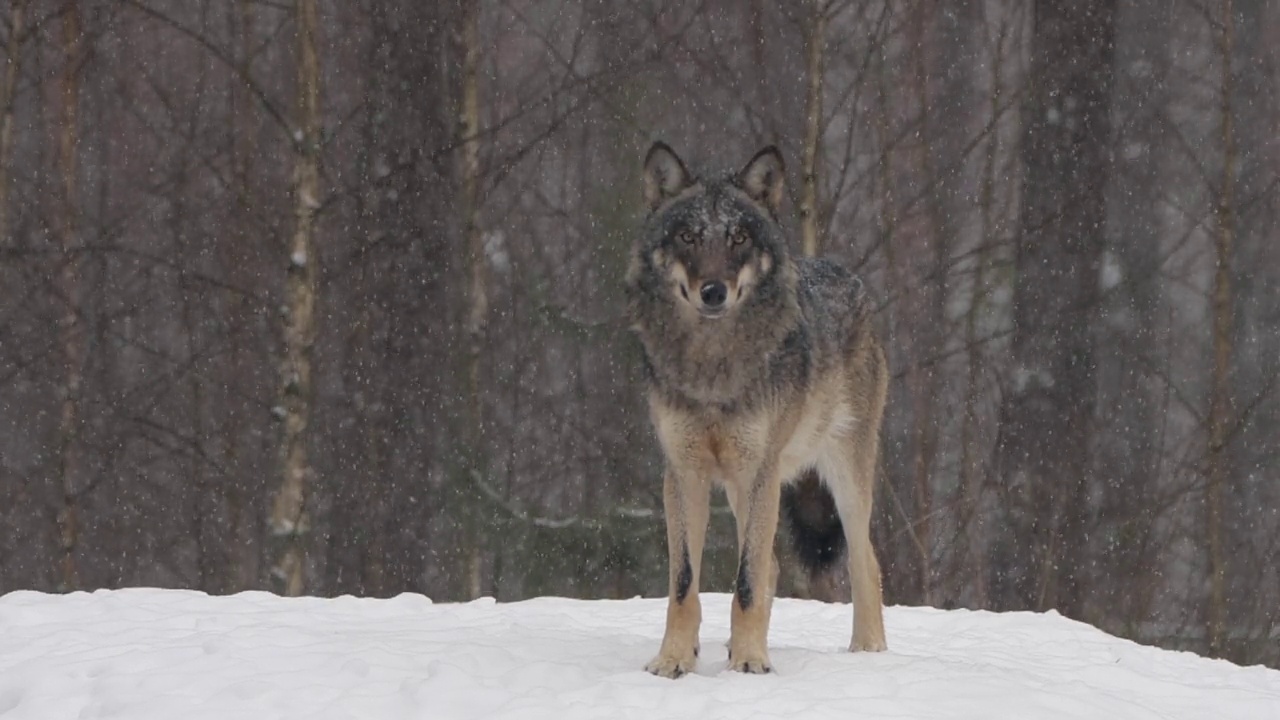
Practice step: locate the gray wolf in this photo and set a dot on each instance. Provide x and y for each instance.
(763, 373)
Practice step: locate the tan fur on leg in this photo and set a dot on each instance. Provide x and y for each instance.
(757, 578)
(687, 510)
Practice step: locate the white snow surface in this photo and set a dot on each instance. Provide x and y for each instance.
(179, 655)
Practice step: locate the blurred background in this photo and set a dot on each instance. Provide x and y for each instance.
(325, 296)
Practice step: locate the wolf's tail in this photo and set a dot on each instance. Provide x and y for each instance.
(816, 532)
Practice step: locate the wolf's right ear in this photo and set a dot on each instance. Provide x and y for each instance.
(763, 178)
(664, 175)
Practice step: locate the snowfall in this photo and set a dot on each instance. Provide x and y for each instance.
(178, 655)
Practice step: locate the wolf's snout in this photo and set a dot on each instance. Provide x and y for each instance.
(713, 294)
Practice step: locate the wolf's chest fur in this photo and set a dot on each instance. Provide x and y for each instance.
(797, 431)
(714, 446)
(718, 369)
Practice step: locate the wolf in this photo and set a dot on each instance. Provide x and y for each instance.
(765, 377)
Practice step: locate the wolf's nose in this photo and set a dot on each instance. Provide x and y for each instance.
(713, 293)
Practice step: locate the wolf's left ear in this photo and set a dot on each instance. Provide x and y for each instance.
(763, 178)
(664, 175)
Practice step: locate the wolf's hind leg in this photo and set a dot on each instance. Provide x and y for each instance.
(685, 502)
(851, 479)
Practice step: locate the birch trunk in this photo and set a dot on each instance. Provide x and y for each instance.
(289, 523)
(812, 130)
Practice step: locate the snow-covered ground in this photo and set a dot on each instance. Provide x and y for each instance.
(177, 655)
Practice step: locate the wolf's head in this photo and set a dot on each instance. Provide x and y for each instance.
(710, 244)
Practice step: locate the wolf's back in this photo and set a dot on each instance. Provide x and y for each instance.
(830, 295)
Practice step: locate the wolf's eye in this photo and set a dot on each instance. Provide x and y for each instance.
(687, 237)
(737, 236)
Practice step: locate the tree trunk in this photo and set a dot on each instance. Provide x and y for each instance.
(1223, 312)
(929, 296)
(195, 470)
(974, 555)
(1046, 417)
(1133, 332)
(477, 295)
(289, 523)
(8, 91)
(72, 335)
(245, 552)
(809, 211)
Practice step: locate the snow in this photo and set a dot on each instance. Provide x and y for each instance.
(170, 654)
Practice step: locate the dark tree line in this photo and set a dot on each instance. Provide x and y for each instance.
(325, 297)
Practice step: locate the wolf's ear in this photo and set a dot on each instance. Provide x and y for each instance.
(763, 178)
(664, 175)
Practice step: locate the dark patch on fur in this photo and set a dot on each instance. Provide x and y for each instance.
(816, 532)
(794, 358)
(744, 583)
(684, 579)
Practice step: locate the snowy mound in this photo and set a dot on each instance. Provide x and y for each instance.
(177, 655)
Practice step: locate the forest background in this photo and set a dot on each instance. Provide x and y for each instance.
(324, 296)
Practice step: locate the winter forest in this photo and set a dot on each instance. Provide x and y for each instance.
(325, 296)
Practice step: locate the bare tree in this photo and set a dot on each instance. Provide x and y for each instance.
(1223, 303)
(815, 48)
(289, 522)
(73, 352)
(990, 225)
(477, 288)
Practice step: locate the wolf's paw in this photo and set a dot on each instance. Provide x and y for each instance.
(753, 663)
(868, 645)
(669, 665)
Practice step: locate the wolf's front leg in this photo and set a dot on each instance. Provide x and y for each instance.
(753, 595)
(685, 500)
